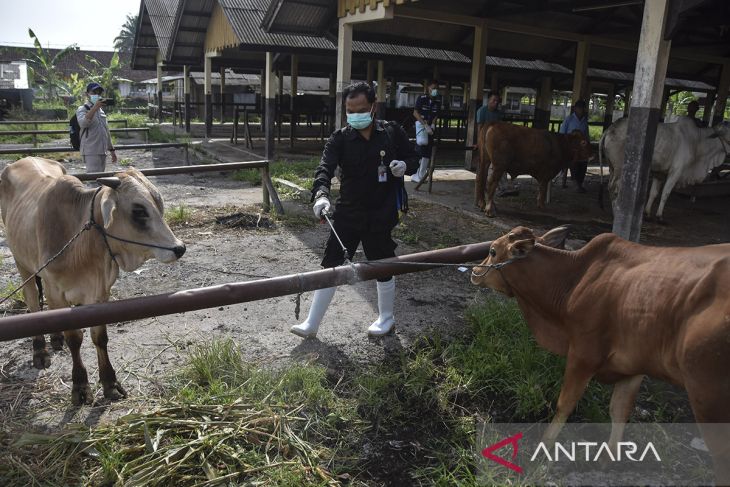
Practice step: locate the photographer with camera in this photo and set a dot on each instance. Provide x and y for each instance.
(96, 139)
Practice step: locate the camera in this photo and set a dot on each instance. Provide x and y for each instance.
(108, 102)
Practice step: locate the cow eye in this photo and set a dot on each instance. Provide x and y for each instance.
(139, 212)
(493, 252)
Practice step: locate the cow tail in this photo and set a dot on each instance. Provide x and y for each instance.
(39, 285)
(600, 170)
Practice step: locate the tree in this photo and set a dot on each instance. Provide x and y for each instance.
(106, 76)
(124, 42)
(44, 67)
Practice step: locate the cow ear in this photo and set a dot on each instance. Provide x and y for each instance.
(556, 237)
(521, 248)
(112, 182)
(108, 206)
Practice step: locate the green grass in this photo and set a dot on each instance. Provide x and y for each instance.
(298, 172)
(134, 120)
(410, 419)
(178, 214)
(156, 134)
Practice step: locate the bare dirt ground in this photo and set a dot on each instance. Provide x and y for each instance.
(145, 350)
(218, 253)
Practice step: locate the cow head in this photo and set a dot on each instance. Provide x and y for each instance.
(132, 209)
(580, 146)
(514, 246)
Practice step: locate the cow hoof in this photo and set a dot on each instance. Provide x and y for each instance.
(57, 342)
(81, 394)
(114, 391)
(41, 360)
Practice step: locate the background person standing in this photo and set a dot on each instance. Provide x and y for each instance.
(426, 114)
(96, 139)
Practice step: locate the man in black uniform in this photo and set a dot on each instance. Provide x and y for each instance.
(373, 157)
(426, 114)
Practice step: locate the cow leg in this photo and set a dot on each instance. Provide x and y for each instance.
(653, 192)
(622, 403)
(672, 179)
(565, 178)
(492, 183)
(41, 358)
(542, 193)
(577, 375)
(481, 180)
(80, 392)
(112, 389)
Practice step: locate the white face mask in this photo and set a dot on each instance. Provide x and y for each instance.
(94, 98)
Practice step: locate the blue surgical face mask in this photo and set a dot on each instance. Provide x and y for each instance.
(359, 121)
(94, 98)
(434, 92)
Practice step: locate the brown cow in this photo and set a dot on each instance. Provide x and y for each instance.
(522, 150)
(619, 310)
(43, 208)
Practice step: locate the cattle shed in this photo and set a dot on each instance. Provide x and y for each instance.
(641, 49)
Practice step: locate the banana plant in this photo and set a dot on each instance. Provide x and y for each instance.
(43, 67)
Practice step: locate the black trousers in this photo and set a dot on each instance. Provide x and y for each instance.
(377, 244)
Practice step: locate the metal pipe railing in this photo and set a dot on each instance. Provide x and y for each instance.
(161, 171)
(51, 150)
(58, 320)
(4, 133)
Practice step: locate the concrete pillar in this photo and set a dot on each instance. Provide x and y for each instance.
(207, 91)
(543, 104)
(223, 96)
(294, 80)
(333, 101)
(722, 93)
(292, 98)
(186, 91)
(344, 68)
(666, 92)
(707, 112)
(380, 107)
(580, 85)
(370, 74)
(159, 91)
(393, 92)
(651, 69)
(476, 94)
(269, 92)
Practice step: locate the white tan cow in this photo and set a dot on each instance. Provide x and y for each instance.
(43, 208)
(684, 154)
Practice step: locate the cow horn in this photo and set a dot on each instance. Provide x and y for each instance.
(112, 182)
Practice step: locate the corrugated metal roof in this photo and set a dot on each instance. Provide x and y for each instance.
(535, 64)
(164, 15)
(309, 17)
(628, 77)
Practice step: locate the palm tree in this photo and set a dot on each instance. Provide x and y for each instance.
(124, 42)
(43, 66)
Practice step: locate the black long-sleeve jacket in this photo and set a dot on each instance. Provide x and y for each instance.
(363, 200)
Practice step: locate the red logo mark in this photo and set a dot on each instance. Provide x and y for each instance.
(512, 440)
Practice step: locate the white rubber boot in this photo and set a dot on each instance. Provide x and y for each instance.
(422, 170)
(386, 300)
(320, 302)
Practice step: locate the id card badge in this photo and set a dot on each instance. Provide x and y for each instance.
(382, 170)
(382, 174)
